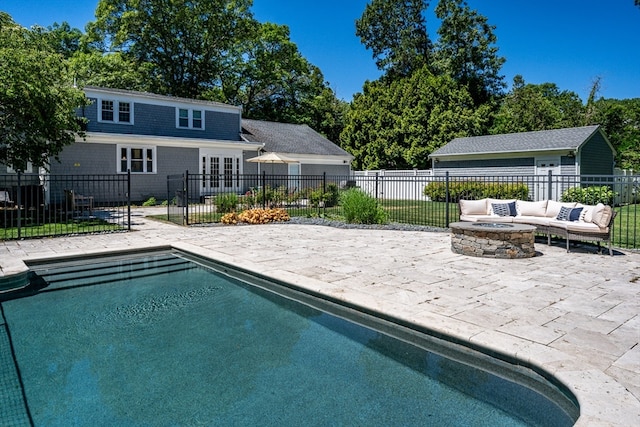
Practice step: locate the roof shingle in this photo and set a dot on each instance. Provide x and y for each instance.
(289, 138)
(556, 139)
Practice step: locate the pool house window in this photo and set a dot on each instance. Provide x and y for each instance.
(137, 159)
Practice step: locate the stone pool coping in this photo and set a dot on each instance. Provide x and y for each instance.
(574, 315)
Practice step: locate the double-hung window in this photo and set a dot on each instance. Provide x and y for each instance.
(137, 159)
(190, 119)
(112, 111)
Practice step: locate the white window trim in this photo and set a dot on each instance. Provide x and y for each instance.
(28, 169)
(190, 118)
(119, 148)
(116, 111)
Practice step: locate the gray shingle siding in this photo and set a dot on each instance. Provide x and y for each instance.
(487, 167)
(320, 169)
(83, 158)
(171, 161)
(159, 120)
(596, 157)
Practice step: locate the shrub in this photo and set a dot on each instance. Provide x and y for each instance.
(328, 198)
(360, 208)
(256, 216)
(589, 195)
(474, 190)
(151, 201)
(226, 202)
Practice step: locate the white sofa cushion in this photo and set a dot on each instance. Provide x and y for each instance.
(531, 208)
(533, 220)
(486, 218)
(602, 216)
(587, 213)
(578, 226)
(473, 207)
(553, 208)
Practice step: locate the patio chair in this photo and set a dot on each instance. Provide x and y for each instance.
(77, 203)
(5, 199)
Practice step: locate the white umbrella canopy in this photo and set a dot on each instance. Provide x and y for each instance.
(272, 158)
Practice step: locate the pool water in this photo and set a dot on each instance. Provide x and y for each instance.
(160, 340)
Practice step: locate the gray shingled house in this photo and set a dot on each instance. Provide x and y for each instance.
(570, 151)
(315, 153)
(154, 136)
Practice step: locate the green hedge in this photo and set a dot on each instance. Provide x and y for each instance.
(589, 195)
(474, 190)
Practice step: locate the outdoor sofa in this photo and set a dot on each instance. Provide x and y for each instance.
(572, 221)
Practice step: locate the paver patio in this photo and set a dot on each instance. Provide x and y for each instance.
(576, 314)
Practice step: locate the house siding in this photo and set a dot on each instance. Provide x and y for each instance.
(84, 158)
(486, 167)
(596, 156)
(568, 166)
(160, 120)
(171, 161)
(340, 170)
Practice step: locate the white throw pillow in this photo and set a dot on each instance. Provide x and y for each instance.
(473, 207)
(532, 208)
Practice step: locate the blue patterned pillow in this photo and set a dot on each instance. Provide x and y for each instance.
(504, 209)
(574, 215)
(564, 213)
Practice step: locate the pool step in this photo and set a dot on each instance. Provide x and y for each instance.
(99, 272)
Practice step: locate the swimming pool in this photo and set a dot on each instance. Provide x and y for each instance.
(173, 339)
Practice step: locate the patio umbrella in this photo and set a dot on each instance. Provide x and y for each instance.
(272, 158)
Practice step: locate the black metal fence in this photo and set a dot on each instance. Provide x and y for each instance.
(33, 205)
(408, 197)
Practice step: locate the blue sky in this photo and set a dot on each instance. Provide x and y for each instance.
(567, 42)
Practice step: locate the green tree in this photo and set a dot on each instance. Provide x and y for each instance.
(396, 33)
(396, 125)
(113, 70)
(187, 43)
(530, 107)
(37, 99)
(466, 50)
(620, 120)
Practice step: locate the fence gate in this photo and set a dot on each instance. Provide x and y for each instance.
(177, 199)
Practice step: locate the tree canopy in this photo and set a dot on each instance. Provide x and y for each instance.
(37, 99)
(397, 125)
(396, 33)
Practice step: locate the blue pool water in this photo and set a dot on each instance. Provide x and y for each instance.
(159, 340)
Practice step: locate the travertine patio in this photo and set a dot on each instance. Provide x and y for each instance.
(576, 314)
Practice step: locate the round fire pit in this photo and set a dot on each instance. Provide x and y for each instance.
(493, 240)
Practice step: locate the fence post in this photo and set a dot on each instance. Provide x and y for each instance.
(169, 198)
(446, 198)
(129, 199)
(185, 197)
(376, 186)
(549, 186)
(263, 184)
(19, 201)
(324, 191)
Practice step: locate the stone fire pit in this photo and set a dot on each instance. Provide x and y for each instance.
(493, 240)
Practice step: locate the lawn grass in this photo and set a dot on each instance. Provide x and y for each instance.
(626, 227)
(59, 228)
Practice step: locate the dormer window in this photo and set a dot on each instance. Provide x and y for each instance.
(190, 119)
(115, 112)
